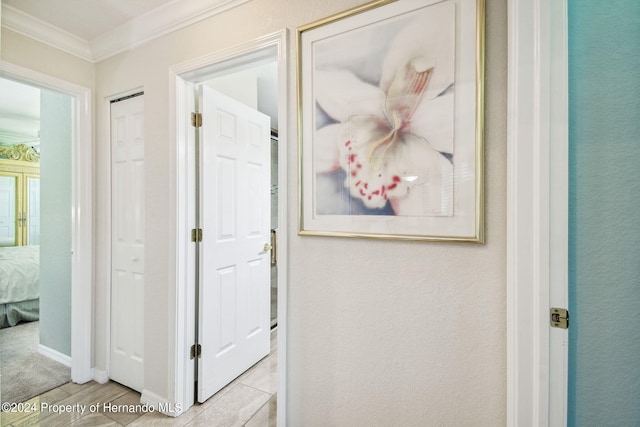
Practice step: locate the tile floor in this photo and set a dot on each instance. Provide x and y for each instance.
(250, 401)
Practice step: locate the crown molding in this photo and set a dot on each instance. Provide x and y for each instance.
(156, 23)
(142, 29)
(27, 25)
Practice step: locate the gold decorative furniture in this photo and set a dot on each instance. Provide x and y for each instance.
(19, 234)
(19, 196)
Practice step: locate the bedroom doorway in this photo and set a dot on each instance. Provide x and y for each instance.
(36, 260)
(63, 232)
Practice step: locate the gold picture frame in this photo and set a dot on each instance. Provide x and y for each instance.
(391, 122)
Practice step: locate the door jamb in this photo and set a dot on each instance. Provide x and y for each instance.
(182, 306)
(82, 260)
(537, 212)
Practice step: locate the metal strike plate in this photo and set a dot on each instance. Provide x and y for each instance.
(559, 318)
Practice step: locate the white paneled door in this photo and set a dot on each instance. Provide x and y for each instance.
(8, 186)
(234, 276)
(33, 210)
(127, 242)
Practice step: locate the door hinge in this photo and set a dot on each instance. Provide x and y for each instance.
(196, 120)
(559, 318)
(196, 235)
(196, 351)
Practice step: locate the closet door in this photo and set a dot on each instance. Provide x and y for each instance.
(128, 240)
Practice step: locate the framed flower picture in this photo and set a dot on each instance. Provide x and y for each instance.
(391, 119)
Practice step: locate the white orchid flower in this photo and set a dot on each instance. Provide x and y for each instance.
(395, 140)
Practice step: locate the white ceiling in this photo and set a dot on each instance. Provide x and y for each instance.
(97, 29)
(86, 19)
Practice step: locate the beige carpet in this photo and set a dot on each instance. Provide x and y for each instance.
(24, 373)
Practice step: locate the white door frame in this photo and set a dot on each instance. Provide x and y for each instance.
(81, 212)
(537, 212)
(181, 300)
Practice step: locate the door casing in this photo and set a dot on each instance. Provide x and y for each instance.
(82, 179)
(183, 76)
(537, 212)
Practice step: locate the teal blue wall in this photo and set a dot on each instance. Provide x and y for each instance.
(55, 236)
(604, 135)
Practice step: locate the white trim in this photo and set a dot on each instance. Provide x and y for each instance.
(537, 199)
(158, 22)
(180, 327)
(54, 355)
(81, 213)
(82, 281)
(100, 376)
(182, 308)
(559, 208)
(105, 259)
(30, 26)
(283, 225)
(160, 404)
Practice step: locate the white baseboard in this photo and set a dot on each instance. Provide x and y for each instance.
(100, 376)
(54, 355)
(161, 404)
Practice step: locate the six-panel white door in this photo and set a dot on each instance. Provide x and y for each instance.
(127, 240)
(234, 284)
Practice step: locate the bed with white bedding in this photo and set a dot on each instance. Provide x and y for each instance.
(7, 241)
(19, 284)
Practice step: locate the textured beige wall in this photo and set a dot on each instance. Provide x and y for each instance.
(400, 334)
(380, 332)
(405, 334)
